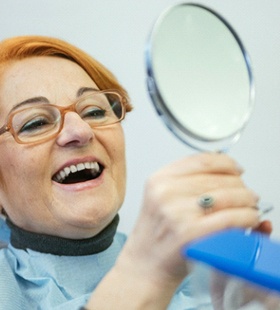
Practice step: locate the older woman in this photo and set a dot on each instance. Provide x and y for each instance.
(62, 183)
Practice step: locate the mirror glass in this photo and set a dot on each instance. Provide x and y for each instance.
(199, 77)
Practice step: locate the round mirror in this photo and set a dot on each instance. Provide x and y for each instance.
(199, 77)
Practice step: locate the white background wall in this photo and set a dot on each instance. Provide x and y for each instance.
(115, 32)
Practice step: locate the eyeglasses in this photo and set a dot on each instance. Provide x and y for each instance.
(45, 121)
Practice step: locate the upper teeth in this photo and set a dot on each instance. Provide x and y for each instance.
(63, 174)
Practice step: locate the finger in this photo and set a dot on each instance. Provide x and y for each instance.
(162, 189)
(206, 163)
(233, 198)
(219, 221)
(265, 227)
(227, 218)
(198, 184)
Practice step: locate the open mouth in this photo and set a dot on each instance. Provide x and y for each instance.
(81, 172)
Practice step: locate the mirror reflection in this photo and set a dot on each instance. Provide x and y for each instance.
(199, 77)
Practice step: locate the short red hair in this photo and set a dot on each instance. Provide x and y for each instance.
(21, 47)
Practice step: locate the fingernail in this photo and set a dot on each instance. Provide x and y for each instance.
(239, 168)
(256, 198)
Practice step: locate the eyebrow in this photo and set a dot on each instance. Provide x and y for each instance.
(83, 90)
(41, 99)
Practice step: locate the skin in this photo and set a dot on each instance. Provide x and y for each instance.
(28, 194)
(150, 267)
(150, 263)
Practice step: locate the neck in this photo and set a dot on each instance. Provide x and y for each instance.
(22, 239)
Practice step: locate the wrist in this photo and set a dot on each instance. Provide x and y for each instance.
(128, 287)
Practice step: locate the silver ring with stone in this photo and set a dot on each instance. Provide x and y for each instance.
(206, 202)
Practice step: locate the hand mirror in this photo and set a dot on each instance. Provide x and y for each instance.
(199, 77)
(200, 82)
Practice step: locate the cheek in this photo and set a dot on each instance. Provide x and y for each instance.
(119, 173)
(18, 167)
(119, 149)
(9, 175)
(10, 181)
(113, 142)
(121, 167)
(2, 190)
(115, 146)
(118, 159)
(6, 166)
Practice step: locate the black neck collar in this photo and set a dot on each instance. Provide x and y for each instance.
(22, 239)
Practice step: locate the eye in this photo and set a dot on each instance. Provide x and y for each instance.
(35, 124)
(35, 121)
(94, 113)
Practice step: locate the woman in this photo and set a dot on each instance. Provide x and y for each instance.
(62, 176)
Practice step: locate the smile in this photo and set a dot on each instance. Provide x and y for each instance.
(81, 172)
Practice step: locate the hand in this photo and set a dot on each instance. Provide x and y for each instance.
(171, 217)
(150, 266)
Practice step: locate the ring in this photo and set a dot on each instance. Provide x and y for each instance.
(206, 202)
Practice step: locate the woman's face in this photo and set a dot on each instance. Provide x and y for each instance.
(28, 191)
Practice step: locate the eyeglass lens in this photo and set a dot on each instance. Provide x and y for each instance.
(39, 122)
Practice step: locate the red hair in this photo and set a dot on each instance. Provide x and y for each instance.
(21, 47)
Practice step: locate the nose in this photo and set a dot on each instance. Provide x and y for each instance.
(75, 131)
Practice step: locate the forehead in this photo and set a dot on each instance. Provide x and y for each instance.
(52, 77)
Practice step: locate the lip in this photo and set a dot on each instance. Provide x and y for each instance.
(82, 185)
